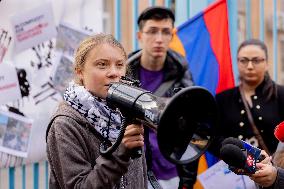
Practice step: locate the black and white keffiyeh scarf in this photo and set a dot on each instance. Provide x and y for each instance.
(105, 120)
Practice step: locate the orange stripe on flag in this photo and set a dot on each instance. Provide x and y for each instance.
(176, 44)
(202, 166)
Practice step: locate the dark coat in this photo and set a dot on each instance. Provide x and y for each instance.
(175, 68)
(266, 113)
(279, 183)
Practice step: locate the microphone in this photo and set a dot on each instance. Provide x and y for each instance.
(244, 146)
(239, 161)
(234, 141)
(233, 155)
(279, 131)
(240, 155)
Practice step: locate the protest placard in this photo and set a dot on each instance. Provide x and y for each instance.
(33, 27)
(15, 132)
(9, 84)
(67, 41)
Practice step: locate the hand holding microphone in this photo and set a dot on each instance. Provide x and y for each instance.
(241, 156)
(269, 175)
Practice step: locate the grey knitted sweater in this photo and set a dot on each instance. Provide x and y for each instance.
(75, 161)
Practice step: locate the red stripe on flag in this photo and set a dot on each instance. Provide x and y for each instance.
(216, 19)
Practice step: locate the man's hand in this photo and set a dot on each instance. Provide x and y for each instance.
(266, 175)
(267, 159)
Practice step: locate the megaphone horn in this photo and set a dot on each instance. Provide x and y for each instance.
(184, 123)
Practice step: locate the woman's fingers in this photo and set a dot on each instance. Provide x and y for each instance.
(133, 136)
(134, 129)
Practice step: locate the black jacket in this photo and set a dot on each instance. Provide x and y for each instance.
(176, 69)
(266, 113)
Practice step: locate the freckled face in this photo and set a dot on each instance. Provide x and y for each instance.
(103, 64)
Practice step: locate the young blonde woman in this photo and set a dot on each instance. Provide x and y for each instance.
(84, 120)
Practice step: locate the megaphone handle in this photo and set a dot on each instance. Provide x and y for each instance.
(136, 153)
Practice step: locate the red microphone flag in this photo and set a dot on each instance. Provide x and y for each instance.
(279, 131)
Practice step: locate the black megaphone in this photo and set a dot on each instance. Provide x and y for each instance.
(184, 123)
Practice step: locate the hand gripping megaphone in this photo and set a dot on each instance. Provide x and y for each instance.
(184, 123)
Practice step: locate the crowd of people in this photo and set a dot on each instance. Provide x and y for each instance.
(84, 120)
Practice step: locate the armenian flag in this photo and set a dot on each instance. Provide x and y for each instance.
(204, 41)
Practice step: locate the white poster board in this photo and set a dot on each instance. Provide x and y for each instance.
(219, 176)
(67, 41)
(42, 62)
(15, 133)
(33, 27)
(9, 84)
